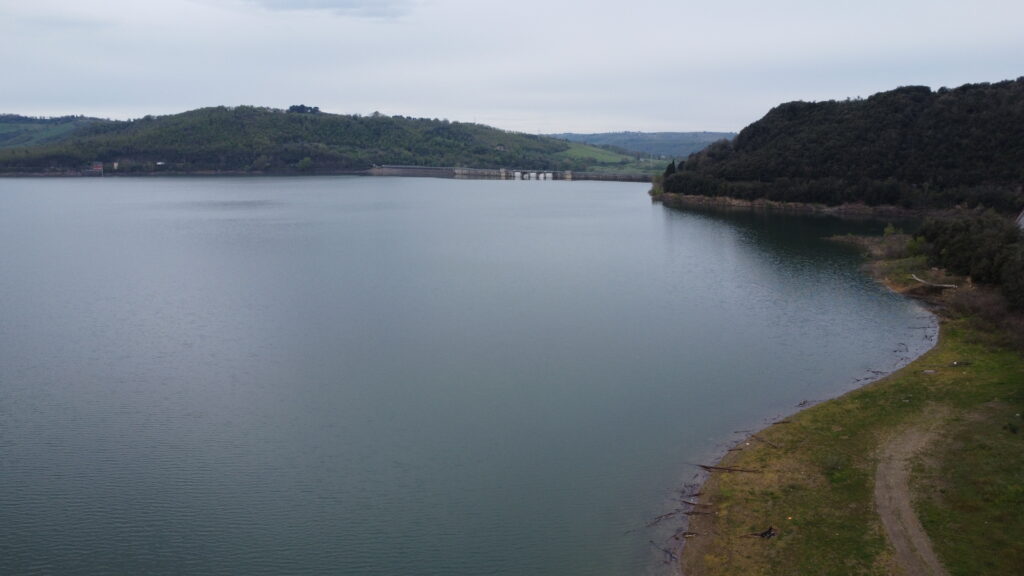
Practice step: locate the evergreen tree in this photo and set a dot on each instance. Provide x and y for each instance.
(670, 169)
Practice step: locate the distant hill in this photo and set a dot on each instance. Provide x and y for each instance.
(911, 147)
(25, 131)
(666, 144)
(248, 139)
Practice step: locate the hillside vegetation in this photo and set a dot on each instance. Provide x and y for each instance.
(247, 139)
(24, 131)
(910, 147)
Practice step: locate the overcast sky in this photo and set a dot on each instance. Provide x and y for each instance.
(527, 65)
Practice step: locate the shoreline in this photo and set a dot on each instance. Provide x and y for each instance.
(379, 171)
(728, 458)
(912, 469)
(858, 211)
(725, 456)
(732, 461)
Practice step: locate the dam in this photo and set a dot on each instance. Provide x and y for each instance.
(503, 174)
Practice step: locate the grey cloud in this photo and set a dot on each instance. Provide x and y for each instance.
(361, 8)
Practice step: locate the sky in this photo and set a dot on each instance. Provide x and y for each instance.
(537, 66)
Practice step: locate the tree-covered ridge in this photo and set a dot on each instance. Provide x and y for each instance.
(910, 147)
(264, 140)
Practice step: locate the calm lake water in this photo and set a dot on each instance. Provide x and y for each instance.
(396, 376)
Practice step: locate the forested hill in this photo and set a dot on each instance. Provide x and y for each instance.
(910, 147)
(666, 144)
(300, 139)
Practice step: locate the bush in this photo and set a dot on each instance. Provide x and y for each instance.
(984, 246)
(1012, 283)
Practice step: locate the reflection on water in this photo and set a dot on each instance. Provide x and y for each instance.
(395, 376)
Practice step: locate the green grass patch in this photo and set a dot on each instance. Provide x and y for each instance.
(971, 495)
(593, 154)
(604, 160)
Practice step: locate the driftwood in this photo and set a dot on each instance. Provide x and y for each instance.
(759, 439)
(932, 284)
(693, 489)
(670, 556)
(768, 534)
(727, 469)
(658, 520)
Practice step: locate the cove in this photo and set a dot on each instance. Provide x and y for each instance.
(383, 376)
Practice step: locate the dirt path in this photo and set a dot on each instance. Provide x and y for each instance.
(914, 553)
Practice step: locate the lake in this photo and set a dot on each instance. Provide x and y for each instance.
(384, 376)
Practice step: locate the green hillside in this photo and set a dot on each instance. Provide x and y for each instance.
(911, 147)
(24, 131)
(247, 139)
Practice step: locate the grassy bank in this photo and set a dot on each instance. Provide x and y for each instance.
(811, 478)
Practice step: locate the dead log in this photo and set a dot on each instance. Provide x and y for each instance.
(768, 534)
(661, 518)
(726, 469)
(759, 439)
(932, 284)
(669, 555)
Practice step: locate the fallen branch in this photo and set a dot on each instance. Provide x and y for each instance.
(726, 469)
(768, 534)
(662, 517)
(927, 283)
(759, 439)
(670, 556)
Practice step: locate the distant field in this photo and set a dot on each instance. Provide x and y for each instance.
(578, 151)
(605, 160)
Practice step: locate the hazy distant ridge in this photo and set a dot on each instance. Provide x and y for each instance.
(667, 144)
